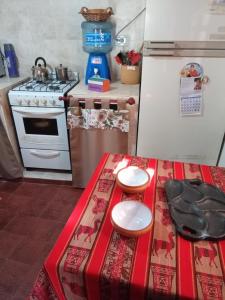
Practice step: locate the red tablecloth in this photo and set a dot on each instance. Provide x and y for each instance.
(92, 261)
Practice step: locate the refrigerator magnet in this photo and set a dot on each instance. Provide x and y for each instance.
(205, 79)
(192, 70)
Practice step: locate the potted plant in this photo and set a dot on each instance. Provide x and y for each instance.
(130, 66)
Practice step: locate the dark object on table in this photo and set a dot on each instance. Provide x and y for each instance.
(197, 209)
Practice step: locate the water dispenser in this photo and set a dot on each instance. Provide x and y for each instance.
(97, 41)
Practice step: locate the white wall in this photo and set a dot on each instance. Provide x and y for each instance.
(52, 29)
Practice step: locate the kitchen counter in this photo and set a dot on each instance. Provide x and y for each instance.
(117, 90)
(115, 140)
(6, 82)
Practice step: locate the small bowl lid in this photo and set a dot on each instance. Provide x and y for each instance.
(131, 215)
(133, 176)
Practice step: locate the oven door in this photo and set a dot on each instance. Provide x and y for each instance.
(41, 128)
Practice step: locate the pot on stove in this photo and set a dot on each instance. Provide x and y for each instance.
(61, 73)
(39, 71)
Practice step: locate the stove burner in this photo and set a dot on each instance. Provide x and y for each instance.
(49, 86)
(53, 87)
(29, 87)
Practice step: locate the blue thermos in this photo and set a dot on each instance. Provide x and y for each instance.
(11, 60)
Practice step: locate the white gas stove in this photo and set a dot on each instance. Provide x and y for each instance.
(49, 94)
(40, 120)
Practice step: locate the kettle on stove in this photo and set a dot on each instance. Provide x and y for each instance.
(39, 71)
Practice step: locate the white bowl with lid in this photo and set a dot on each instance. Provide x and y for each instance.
(132, 179)
(131, 218)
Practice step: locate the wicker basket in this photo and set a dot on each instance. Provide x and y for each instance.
(96, 15)
(130, 74)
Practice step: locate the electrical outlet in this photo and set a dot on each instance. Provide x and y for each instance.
(121, 40)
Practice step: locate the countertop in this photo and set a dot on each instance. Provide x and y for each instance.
(117, 90)
(6, 82)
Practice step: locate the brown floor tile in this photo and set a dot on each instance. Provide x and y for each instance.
(4, 199)
(7, 295)
(28, 189)
(22, 293)
(5, 217)
(62, 204)
(27, 205)
(4, 196)
(55, 234)
(32, 227)
(24, 290)
(30, 252)
(32, 216)
(2, 261)
(22, 225)
(8, 243)
(59, 210)
(9, 186)
(68, 194)
(12, 276)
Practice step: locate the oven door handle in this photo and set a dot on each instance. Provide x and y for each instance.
(43, 114)
(50, 154)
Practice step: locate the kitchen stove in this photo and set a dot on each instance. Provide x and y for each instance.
(33, 93)
(48, 86)
(40, 120)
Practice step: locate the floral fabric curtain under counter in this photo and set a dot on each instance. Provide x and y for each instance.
(94, 132)
(98, 118)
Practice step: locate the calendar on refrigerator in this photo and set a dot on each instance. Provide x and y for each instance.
(191, 93)
(191, 105)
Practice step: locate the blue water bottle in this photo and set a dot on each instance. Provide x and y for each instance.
(11, 60)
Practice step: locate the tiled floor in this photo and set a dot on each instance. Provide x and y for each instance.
(32, 214)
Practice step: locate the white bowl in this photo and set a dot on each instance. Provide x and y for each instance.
(133, 176)
(131, 218)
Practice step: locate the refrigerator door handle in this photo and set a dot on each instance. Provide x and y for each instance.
(159, 45)
(184, 48)
(157, 48)
(158, 52)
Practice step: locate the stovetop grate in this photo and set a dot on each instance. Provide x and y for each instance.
(48, 86)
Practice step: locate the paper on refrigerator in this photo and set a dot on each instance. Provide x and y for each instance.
(191, 97)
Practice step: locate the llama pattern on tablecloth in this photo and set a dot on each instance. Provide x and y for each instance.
(86, 231)
(163, 260)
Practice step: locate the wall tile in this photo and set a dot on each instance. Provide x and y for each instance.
(52, 29)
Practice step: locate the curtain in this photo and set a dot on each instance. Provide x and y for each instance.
(96, 131)
(10, 168)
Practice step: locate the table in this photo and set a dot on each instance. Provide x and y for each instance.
(92, 261)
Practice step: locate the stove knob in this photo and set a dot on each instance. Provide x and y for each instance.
(53, 102)
(37, 102)
(19, 102)
(45, 102)
(65, 98)
(28, 102)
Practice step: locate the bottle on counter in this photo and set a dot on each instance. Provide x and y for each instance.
(2, 66)
(11, 60)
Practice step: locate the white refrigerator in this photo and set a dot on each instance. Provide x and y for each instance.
(175, 123)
